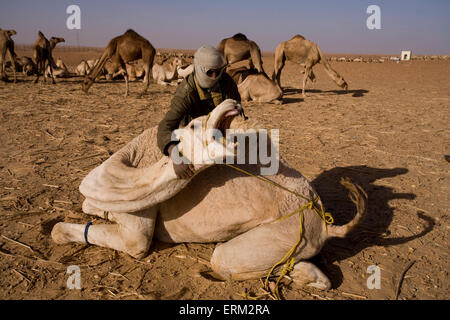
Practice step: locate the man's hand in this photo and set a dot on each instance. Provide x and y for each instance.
(182, 170)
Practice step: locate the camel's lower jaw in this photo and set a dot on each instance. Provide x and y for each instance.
(225, 123)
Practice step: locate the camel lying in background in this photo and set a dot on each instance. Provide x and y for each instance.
(300, 50)
(135, 71)
(43, 55)
(166, 72)
(132, 70)
(7, 46)
(82, 68)
(91, 63)
(60, 70)
(28, 66)
(138, 189)
(256, 86)
(121, 50)
(238, 48)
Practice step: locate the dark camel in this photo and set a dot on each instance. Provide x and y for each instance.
(42, 54)
(301, 50)
(7, 46)
(122, 50)
(239, 48)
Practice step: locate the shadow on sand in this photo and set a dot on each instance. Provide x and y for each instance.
(357, 93)
(373, 230)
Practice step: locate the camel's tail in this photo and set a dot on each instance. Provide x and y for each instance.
(331, 72)
(93, 74)
(359, 198)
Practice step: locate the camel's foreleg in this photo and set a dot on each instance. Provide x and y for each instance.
(131, 234)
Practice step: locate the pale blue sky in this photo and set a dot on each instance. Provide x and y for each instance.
(337, 26)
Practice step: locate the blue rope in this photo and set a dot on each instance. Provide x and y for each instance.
(86, 232)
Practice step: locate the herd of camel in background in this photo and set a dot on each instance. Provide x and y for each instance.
(120, 56)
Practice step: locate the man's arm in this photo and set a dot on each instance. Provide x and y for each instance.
(179, 108)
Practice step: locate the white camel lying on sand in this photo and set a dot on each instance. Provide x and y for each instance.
(60, 70)
(166, 72)
(138, 189)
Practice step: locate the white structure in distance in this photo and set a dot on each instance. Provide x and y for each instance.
(406, 55)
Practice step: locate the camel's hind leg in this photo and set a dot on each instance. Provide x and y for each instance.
(131, 234)
(252, 254)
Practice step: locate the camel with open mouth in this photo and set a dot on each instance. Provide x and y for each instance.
(256, 219)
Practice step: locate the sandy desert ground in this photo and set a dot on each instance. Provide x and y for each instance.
(389, 133)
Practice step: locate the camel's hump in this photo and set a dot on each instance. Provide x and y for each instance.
(239, 36)
(297, 36)
(130, 31)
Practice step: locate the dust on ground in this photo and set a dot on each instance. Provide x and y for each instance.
(389, 133)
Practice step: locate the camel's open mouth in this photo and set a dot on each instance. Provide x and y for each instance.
(220, 118)
(225, 121)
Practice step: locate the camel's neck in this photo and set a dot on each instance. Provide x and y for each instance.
(117, 187)
(171, 70)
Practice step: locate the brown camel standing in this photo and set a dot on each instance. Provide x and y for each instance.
(121, 50)
(239, 48)
(42, 54)
(7, 46)
(301, 50)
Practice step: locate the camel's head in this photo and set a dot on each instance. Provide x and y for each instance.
(203, 141)
(57, 40)
(11, 32)
(177, 62)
